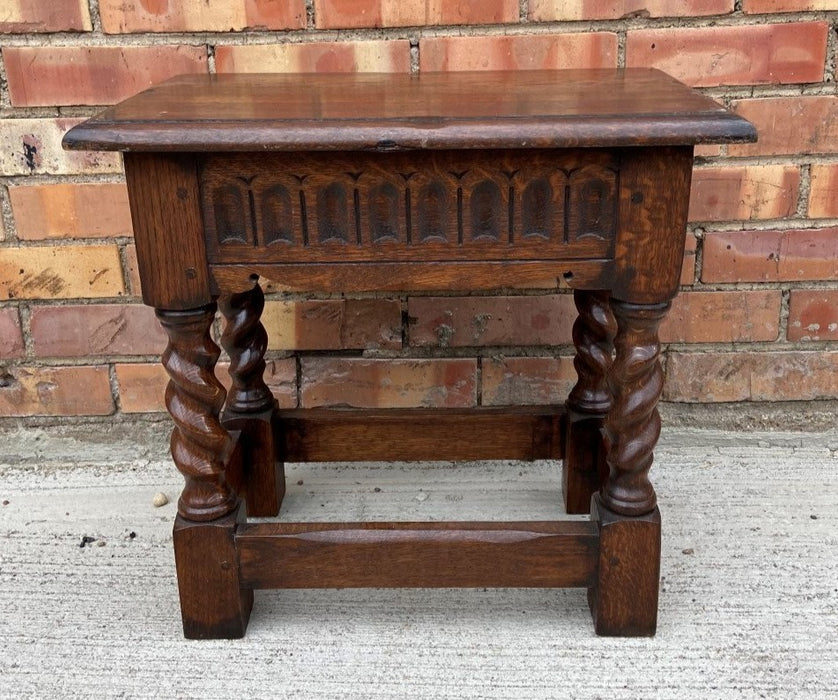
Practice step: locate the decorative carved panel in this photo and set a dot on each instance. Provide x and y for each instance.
(457, 205)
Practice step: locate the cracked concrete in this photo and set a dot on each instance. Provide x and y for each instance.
(749, 590)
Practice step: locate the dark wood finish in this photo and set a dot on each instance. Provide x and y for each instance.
(262, 482)
(200, 445)
(584, 467)
(250, 406)
(428, 276)
(654, 198)
(330, 435)
(245, 340)
(419, 555)
(491, 109)
(410, 207)
(168, 230)
(633, 425)
(436, 181)
(213, 603)
(624, 599)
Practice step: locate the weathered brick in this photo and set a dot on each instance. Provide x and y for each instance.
(281, 378)
(461, 53)
(56, 391)
(562, 10)
(25, 16)
(321, 56)
(794, 376)
(333, 324)
(126, 16)
(521, 381)
(723, 317)
(813, 314)
(134, 284)
(65, 272)
(401, 383)
(823, 192)
(70, 211)
(733, 376)
(344, 14)
(756, 6)
(744, 192)
(480, 321)
(11, 338)
(33, 147)
(95, 329)
(753, 54)
(790, 125)
(711, 377)
(770, 256)
(142, 386)
(688, 265)
(77, 75)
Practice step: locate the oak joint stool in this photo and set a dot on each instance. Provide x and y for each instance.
(468, 181)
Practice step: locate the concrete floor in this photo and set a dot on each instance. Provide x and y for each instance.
(749, 597)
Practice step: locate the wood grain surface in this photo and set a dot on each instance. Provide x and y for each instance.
(385, 112)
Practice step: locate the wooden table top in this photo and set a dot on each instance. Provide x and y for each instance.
(367, 111)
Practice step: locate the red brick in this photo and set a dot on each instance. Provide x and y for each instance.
(11, 338)
(56, 391)
(321, 57)
(142, 386)
(60, 272)
(125, 16)
(462, 53)
(344, 14)
(823, 192)
(743, 55)
(480, 321)
(334, 324)
(521, 381)
(76, 75)
(770, 256)
(813, 314)
(733, 376)
(70, 211)
(744, 192)
(562, 10)
(33, 147)
(391, 383)
(755, 6)
(723, 317)
(25, 16)
(688, 265)
(96, 329)
(790, 125)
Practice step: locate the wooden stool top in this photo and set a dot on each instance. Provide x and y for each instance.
(387, 112)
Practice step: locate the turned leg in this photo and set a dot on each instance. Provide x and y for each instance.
(212, 603)
(625, 599)
(250, 405)
(584, 466)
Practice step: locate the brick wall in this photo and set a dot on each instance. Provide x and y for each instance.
(757, 319)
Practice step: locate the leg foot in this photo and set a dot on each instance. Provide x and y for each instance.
(212, 603)
(250, 405)
(624, 601)
(584, 467)
(264, 473)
